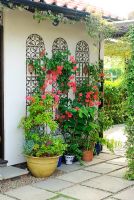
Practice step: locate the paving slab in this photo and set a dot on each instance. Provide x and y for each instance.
(4, 197)
(128, 194)
(63, 198)
(110, 198)
(107, 183)
(119, 161)
(85, 193)
(103, 168)
(118, 173)
(70, 168)
(106, 156)
(53, 185)
(30, 193)
(78, 176)
(93, 162)
(11, 172)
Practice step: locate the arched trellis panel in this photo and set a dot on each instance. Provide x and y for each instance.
(34, 45)
(82, 58)
(59, 44)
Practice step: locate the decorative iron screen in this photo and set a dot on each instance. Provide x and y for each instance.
(34, 45)
(59, 44)
(82, 58)
(1, 18)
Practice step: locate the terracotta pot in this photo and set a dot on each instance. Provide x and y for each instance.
(87, 156)
(41, 167)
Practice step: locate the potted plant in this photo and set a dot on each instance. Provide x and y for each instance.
(89, 131)
(73, 152)
(42, 149)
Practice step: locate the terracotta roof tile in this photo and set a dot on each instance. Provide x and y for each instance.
(72, 4)
(79, 5)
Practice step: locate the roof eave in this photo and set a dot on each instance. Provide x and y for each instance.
(69, 13)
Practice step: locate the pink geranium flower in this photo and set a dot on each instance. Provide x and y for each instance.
(72, 59)
(29, 98)
(75, 68)
(56, 97)
(59, 70)
(43, 97)
(80, 94)
(69, 114)
(71, 77)
(77, 108)
(59, 92)
(42, 53)
(63, 116)
(43, 68)
(95, 87)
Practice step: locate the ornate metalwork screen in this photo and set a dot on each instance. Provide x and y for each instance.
(34, 45)
(1, 18)
(82, 58)
(59, 44)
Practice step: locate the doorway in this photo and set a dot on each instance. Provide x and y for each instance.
(1, 96)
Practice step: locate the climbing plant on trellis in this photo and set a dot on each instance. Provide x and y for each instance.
(34, 45)
(59, 45)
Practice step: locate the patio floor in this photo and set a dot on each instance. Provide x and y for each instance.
(101, 179)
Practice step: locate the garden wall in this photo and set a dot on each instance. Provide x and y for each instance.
(18, 25)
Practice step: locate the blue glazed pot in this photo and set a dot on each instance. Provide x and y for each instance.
(60, 161)
(98, 148)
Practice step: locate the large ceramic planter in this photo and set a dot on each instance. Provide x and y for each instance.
(87, 156)
(41, 167)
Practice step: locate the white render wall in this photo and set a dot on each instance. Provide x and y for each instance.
(18, 25)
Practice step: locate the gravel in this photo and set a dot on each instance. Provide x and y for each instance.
(9, 184)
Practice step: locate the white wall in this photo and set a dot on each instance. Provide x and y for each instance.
(18, 26)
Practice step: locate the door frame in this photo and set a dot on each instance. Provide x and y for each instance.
(2, 91)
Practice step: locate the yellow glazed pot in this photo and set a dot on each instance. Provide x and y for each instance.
(41, 167)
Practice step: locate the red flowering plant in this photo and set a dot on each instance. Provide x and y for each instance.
(78, 122)
(76, 117)
(58, 71)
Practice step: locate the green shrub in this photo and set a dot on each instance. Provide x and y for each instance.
(115, 100)
(130, 109)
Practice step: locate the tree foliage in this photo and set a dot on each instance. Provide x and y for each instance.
(118, 48)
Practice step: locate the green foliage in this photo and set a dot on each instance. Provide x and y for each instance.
(96, 26)
(41, 146)
(104, 119)
(110, 144)
(37, 142)
(130, 109)
(117, 48)
(48, 15)
(115, 100)
(40, 114)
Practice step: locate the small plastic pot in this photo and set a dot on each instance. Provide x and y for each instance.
(69, 159)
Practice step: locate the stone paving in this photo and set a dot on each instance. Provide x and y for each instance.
(101, 179)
